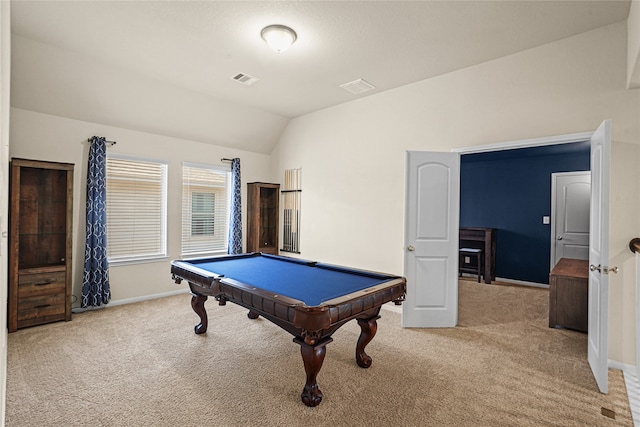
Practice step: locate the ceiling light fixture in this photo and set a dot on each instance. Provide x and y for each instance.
(278, 37)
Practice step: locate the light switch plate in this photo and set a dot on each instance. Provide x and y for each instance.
(546, 220)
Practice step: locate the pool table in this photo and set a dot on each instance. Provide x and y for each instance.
(310, 300)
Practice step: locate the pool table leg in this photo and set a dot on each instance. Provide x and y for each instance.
(312, 356)
(197, 303)
(368, 328)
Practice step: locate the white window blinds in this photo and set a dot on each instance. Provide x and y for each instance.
(205, 209)
(136, 209)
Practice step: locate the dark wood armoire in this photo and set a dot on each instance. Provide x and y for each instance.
(40, 240)
(263, 217)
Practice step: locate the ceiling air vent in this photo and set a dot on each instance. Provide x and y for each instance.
(357, 86)
(245, 79)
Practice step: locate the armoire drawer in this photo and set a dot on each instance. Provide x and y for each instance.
(41, 307)
(40, 284)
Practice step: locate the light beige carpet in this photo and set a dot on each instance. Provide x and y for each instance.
(142, 365)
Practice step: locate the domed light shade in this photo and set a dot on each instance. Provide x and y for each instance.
(278, 37)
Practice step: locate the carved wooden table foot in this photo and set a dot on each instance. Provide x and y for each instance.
(311, 395)
(197, 303)
(368, 328)
(313, 353)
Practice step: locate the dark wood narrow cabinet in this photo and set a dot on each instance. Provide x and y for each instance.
(569, 295)
(262, 217)
(40, 238)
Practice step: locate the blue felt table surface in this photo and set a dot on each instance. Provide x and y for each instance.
(312, 285)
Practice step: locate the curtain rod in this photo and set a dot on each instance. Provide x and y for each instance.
(106, 142)
(224, 159)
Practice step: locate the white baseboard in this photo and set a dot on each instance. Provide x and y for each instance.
(391, 306)
(522, 282)
(113, 303)
(633, 392)
(614, 364)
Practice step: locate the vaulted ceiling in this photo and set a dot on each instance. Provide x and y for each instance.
(166, 66)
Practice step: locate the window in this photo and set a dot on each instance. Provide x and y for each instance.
(136, 209)
(205, 209)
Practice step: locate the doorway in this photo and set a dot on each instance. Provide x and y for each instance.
(511, 191)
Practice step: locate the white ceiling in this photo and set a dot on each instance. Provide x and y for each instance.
(198, 46)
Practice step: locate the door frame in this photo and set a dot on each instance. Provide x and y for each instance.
(526, 143)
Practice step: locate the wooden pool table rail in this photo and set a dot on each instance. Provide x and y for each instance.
(297, 316)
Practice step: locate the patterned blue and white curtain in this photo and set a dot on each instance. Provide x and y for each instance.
(235, 222)
(95, 282)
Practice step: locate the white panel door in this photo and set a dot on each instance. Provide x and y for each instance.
(570, 215)
(599, 255)
(431, 240)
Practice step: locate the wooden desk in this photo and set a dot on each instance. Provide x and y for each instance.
(569, 294)
(485, 239)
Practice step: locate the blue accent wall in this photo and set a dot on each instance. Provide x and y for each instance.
(511, 191)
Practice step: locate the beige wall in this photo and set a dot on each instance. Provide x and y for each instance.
(633, 45)
(47, 137)
(353, 155)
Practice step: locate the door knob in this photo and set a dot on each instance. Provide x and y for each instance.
(410, 248)
(594, 268)
(559, 237)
